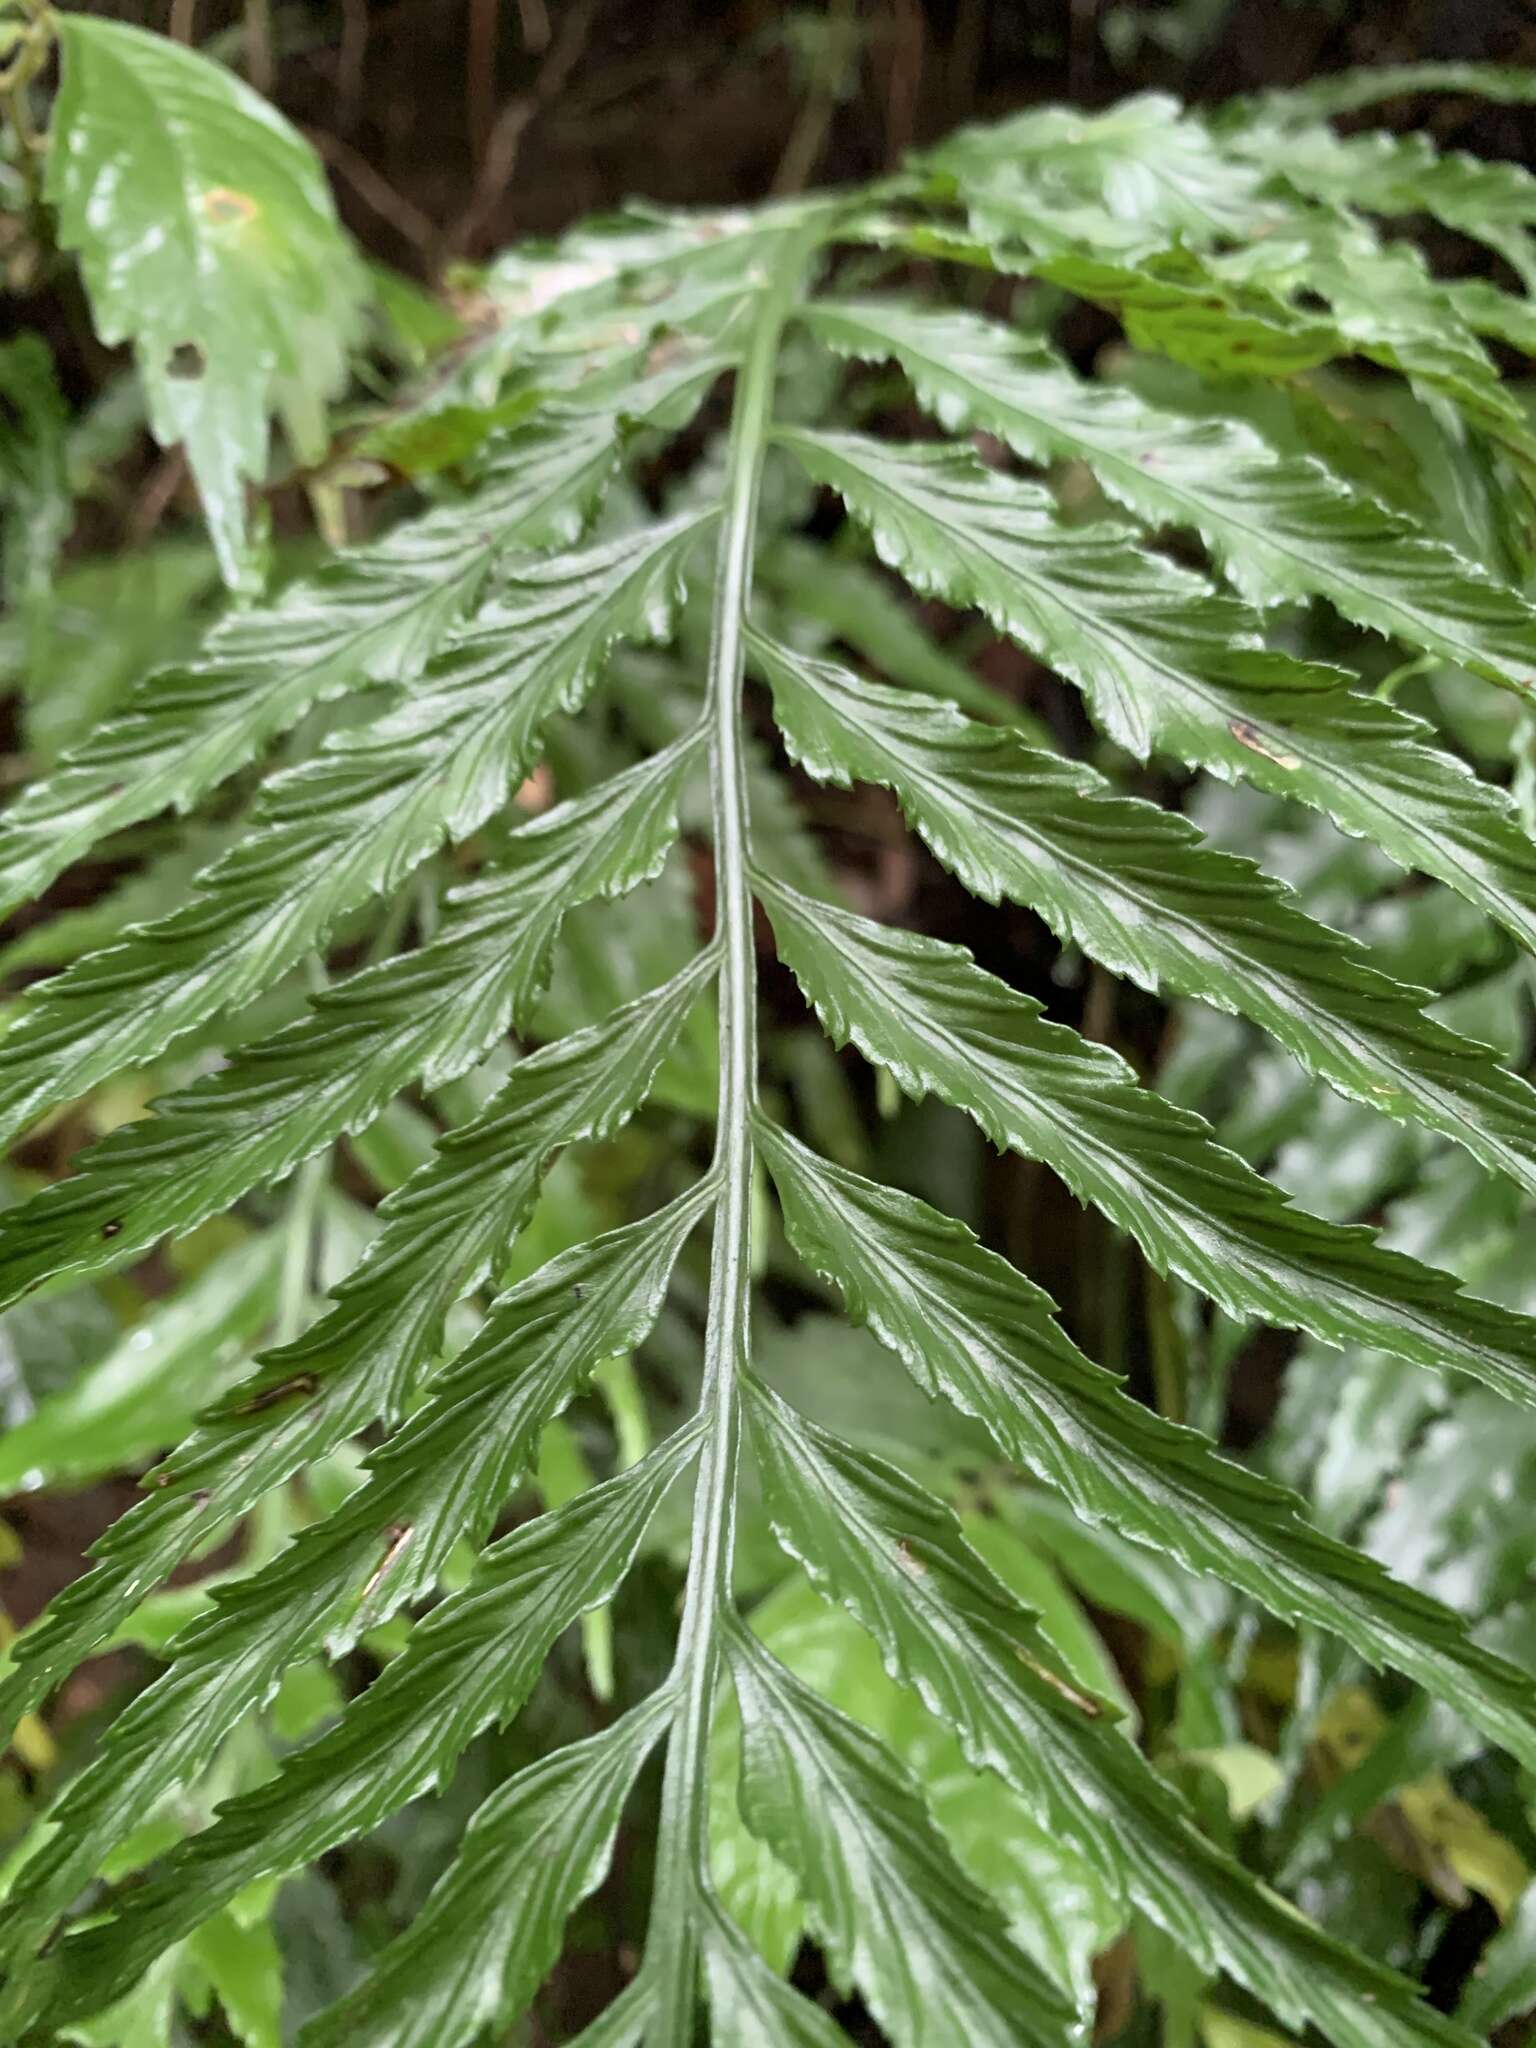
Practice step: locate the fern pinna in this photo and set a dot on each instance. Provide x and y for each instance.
(380, 923)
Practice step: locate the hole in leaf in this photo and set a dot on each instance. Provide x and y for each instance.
(186, 359)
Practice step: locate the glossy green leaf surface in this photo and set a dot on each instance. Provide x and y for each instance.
(926, 1011)
(1165, 665)
(1138, 892)
(207, 237)
(884, 1547)
(642, 1527)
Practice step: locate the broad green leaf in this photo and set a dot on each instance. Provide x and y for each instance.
(353, 822)
(207, 237)
(429, 1014)
(244, 1970)
(374, 614)
(1164, 663)
(469, 1664)
(928, 1950)
(143, 1393)
(486, 1938)
(362, 1362)
(755, 1892)
(1134, 887)
(890, 1552)
(924, 1010)
(967, 1326)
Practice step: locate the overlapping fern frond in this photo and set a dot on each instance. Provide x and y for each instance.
(415, 685)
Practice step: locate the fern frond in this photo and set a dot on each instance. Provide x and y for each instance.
(376, 615)
(429, 1016)
(1136, 890)
(1137, 175)
(1053, 189)
(934, 1954)
(1350, 92)
(441, 1479)
(1282, 527)
(958, 530)
(886, 1549)
(492, 1295)
(749, 2007)
(1165, 664)
(362, 1362)
(1397, 174)
(468, 1666)
(481, 1946)
(966, 1325)
(925, 1011)
(353, 822)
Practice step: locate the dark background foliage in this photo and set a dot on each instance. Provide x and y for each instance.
(454, 126)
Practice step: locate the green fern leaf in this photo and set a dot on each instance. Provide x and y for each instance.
(431, 1014)
(749, 2006)
(882, 1546)
(1282, 527)
(1165, 665)
(353, 822)
(958, 530)
(966, 1325)
(895, 1912)
(924, 1010)
(491, 1294)
(377, 614)
(362, 1362)
(1349, 92)
(468, 1665)
(1397, 174)
(1141, 172)
(481, 1946)
(440, 1479)
(1134, 888)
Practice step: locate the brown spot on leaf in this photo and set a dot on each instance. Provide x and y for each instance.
(301, 1383)
(399, 1536)
(1260, 743)
(228, 209)
(1083, 1701)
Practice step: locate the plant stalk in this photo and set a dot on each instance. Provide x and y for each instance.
(683, 1847)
